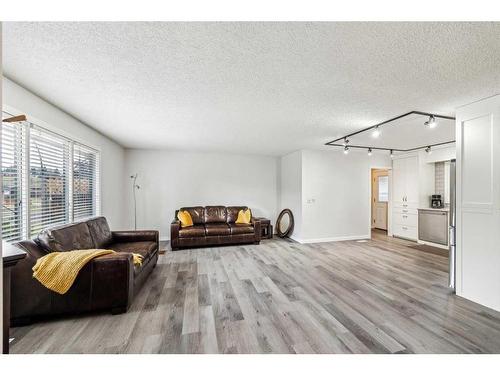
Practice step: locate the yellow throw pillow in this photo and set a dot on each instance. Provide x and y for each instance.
(244, 217)
(185, 219)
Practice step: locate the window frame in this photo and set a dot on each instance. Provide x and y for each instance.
(26, 218)
(16, 143)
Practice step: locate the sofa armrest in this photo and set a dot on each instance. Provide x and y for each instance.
(256, 224)
(136, 236)
(175, 226)
(28, 296)
(112, 285)
(32, 248)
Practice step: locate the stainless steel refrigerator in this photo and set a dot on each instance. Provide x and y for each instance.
(452, 227)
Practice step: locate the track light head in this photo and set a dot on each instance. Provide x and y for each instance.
(369, 152)
(428, 150)
(431, 123)
(346, 142)
(376, 132)
(346, 150)
(392, 154)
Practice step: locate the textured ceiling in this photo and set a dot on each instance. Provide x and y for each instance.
(263, 88)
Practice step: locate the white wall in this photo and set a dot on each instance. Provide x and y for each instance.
(441, 154)
(171, 179)
(336, 194)
(291, 188)
(329, 193)
(18, 100)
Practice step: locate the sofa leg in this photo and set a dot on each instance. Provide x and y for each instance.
(118, 310)
(256, 243)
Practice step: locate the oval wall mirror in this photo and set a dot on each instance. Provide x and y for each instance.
(284, 224)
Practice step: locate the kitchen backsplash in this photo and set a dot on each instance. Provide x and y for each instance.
(439, 178)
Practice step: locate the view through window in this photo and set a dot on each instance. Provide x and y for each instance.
(383, 188)
(48, 179)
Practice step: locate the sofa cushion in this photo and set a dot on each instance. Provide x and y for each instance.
(185, 219)
(100, 232)
(144, 248)
(194, 231)
(66, 237)
(217, 229)
(232, 212)
(215, 214)
(244, 217)
(197, 214)
(241, 228)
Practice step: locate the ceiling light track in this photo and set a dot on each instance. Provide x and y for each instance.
(376, 128)
(392, 150)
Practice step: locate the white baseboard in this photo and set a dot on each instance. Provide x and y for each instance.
(315, 240)
(331, 239)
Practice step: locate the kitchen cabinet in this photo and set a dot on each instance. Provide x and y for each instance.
(405, 197)
(405, 181)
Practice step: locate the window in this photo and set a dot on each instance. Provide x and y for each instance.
(85, 181)
(383, 188)
(48, 179)
(49, 182)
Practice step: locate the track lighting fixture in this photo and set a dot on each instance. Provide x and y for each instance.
(431, 123)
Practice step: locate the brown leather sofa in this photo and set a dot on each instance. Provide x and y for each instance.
(107, 283)
(213, 225)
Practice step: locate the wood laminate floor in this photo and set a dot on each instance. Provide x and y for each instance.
(379, 296)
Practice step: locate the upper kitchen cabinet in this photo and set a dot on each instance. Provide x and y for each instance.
(405, 177)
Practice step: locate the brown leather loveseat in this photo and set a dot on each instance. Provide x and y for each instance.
(106, 283)
(213, 225)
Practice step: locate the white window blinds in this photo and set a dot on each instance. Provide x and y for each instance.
(48, 179)
(85, 182)
(14, 173)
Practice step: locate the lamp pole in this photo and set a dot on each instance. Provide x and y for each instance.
(134, 188)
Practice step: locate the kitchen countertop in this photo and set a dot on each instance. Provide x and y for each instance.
(444, 209)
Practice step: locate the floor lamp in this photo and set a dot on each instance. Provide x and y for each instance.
(134, 188)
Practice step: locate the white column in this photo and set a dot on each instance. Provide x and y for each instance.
(478, 202)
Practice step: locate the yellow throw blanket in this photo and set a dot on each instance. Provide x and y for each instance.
(57, 271)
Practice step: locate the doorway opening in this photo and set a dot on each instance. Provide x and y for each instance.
(380, 200)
